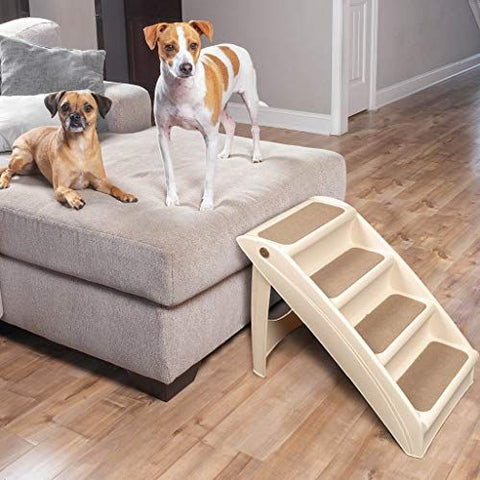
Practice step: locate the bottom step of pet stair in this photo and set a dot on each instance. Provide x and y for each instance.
(369, 310)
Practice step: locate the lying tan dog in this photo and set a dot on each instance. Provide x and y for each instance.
(69, 157)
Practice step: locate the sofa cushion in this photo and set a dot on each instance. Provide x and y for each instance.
(28, 69)
(34, 30)
(19, 114)
(166, 255)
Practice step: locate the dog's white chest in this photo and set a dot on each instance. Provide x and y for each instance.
(184, 116)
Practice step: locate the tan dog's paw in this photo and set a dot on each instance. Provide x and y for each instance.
(123, 196)
(4, 182)
(74, 200)
(128, 198)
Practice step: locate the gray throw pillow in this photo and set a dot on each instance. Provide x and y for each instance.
(28, 69)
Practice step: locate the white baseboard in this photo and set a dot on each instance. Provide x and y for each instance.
(281, 118)
(420, 82)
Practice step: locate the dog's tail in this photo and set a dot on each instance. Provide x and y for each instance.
(262, 104)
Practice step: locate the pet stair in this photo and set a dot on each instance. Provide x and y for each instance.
(368, 309)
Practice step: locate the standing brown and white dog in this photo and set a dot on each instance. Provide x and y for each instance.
(69, 157)
(193, 90)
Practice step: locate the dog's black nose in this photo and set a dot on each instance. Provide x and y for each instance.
(75, 117)
(186, 68)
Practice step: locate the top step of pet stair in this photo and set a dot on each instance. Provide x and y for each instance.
(366, 306)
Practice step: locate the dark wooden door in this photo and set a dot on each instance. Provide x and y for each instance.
(120, 32)
(144, 64)
(11, 9)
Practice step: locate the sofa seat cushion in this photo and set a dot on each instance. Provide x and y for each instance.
(166, 255)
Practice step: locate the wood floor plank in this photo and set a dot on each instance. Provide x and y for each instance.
(262, 423)
(12, 447)
(56, 447)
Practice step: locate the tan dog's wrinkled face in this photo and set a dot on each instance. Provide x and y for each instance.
(77, 110)
(178, 44)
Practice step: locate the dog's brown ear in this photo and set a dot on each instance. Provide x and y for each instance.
(151, 33)
(51, 101)
(203, 27)
(104, 104)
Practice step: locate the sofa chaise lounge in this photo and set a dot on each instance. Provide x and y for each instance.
(149, 288)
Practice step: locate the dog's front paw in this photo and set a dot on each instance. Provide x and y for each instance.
(75, 201)
(257, 158)
(207, 204)
(224, 154)
(4, 182)
(128, 198)
(172, 199)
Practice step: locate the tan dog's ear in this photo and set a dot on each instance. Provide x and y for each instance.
(51, 101)
(203, 27)
(104, 104)
(151, 33)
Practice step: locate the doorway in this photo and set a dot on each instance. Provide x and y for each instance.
(354, 60)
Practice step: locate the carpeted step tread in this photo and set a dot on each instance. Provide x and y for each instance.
(388, 320)
(430, 374)
(300, 223)
(345, 270)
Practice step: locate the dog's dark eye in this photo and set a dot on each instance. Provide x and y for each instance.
(169, 48)
(194, 46)
(65, 107)
(88, 108)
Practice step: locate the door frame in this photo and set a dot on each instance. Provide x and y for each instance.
(340, 63)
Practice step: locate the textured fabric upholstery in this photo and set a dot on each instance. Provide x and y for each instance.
(28, 69)
(166, 255)
(131, 109)
(36, 30)
(19, 114)
(127, 331)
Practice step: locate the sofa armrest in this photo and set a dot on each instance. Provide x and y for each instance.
(34, 30)
(131, 109)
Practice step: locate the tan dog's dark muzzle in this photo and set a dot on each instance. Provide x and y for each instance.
(76, 122)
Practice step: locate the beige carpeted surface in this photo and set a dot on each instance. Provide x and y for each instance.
(430, 374)
(345, 270)
(301, 223)
(388, 320)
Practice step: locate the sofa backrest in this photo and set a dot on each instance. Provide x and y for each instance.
(40, 31)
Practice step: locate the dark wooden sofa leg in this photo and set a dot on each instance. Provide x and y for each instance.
(163, 391)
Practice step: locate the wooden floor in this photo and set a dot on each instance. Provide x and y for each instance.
(413, 172)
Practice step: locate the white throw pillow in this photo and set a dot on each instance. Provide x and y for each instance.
(19, 114)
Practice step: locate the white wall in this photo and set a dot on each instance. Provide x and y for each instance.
(75, 17)
(290, 43)
(417, 36)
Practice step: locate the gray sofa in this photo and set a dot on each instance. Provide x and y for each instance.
(149, 288)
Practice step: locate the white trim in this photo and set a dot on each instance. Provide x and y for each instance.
(372, 100)
(475, 6)
(282, 118)
(420, 82)
(340, 63)
(339, 108)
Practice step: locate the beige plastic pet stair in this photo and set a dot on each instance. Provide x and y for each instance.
(368, 309)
